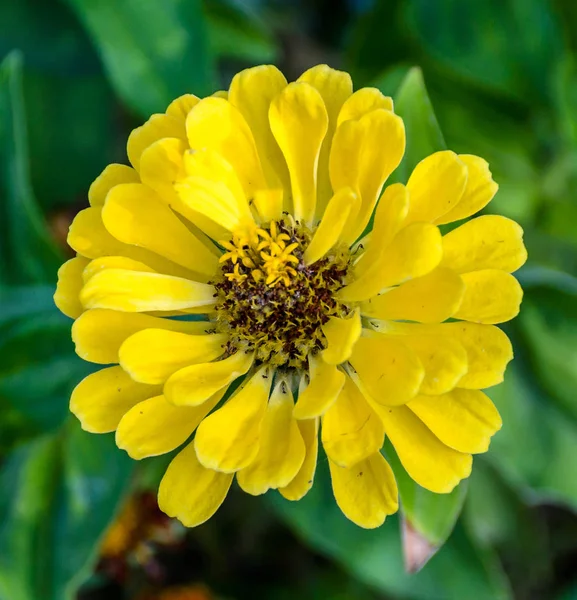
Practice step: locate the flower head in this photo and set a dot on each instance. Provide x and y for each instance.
(236, 279)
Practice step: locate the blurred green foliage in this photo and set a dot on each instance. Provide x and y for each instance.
(501, 76)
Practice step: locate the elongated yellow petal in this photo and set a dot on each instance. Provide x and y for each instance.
(326, 384)
(89, 237)
(351, 430)
(228, 440)
(251, 92)
(100, 400)
(426, 459)
(367, 492)
(464, 420)
(432, 298)
(214, 123)
(298, 120)
(362, 102)
(334, 87)
(488, 348)
(363, 155)
(134, 214)
(153, 355)
(70, 282)
(415, 251)
(269, 204)
(443, 358)
(180, 107)
(99, 333)
(193, 385)
(112, 175)
(161, 164)
(436, 186)
(134, 291)
(388, 371)
(303, 480)
(341, 335)
(491, 296)
(155, 426)
(281, 449)
(487, 242)
(391, 211)
(341, 207)
(479, 190)
(215, 201)
(113, 262)
(189, 492)
(157, 127)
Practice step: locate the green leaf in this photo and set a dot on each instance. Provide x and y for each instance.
(27, 254)
(375, 556)
(152, 51)
(422, 129)
(534, 448)
(236, 32)
(501, 54)
(57, 496)
(430, 516)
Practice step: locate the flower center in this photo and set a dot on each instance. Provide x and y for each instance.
(270, 302)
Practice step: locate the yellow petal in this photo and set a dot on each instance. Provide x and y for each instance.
(135, 215)
(351, 430)
(388, 371)
(113, 262)
(488, 353)
(189, 492)
(180, 107)
(432, 298)
(134, 291)
(479, 190)
(487, 242)
(426, 459)
(362, 102)
(443, 358)
(488, 348)
(491, 296)
(220, 94)
(161, 164)
(334, 87)
(70, 282)
(390, 213)
(341, 207)
(215, 124)
(155, 426)
(366, 492)
(435, 186)
(303, 480)
(281, 449)
(89, 237)
(415, 251)
(156, 128)
(251, 92)
(341, 335)
(364, 153)
(153, 355)
(99, 333)
(298, 120)
(100, 400)
(193, 385)
(215, 201)
(326, 384)
(464, 420)
(112, 175)
(228, 440)
(269, 204)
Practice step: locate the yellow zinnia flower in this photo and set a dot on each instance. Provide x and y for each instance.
(251, 208)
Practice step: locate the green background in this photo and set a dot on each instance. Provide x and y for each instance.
(499, 79)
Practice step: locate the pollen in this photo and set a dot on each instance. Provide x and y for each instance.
(270, 301)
